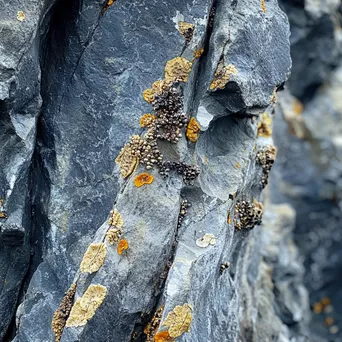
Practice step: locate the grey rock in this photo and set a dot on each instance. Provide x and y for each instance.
(89, 64)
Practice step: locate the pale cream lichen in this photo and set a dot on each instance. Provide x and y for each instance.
(178, 320)
(222, 76)
(193, 129)
(128, 158)
(206, 240)
(115, 219)
(21, 16)
(265, 126)
(93, 258)
(113, 235)
(177, 70)
(85, 307)
(186, 30)
(62, 313)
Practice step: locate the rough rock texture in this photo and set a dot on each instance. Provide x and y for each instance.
(71, 91)
(308, 170)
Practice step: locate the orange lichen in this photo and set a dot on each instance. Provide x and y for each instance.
(142, 179)
(265, 126)
(325, 301)
(263, 6)
(110, 2)
(222, 76)
(162, 336)
(317, 308)
(198, 53)
(178, 320)
(177, 70)
(146, 120)
(122, 246)
(193, 129)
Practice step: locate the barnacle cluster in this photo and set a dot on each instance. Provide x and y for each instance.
(186, 30)
(62, 313)
(152, 327)
(247, 214)
(166, 124)
(183, 211)
(189, 172)
(115, 221)
(266, 158)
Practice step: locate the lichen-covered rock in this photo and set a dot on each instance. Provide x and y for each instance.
(218, 63)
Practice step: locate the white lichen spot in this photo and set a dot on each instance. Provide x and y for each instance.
(21, 16)
(206, 240)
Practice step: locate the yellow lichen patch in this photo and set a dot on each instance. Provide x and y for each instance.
(115, 220)
(110, 2)
(93, 258)
(265, 126)
(3, 214)
(142, 179)
(263, 6)
(193, 130)
(85, 307)
(146, 120)
(186, 30)
(21, 16)
(122, 246)
(237, 165)
(177, 70)
(222, 76)
(198, 53)
(274, 96)
(126, 159)
(178, 320)
(229, 218)
(162, 336)
(157, 88)
(62, 313)
(297, 107)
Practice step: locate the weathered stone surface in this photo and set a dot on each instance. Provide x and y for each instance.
(92, 62)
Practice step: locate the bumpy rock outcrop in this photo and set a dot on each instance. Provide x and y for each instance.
(71, 100)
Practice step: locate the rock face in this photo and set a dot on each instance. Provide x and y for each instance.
(72, 78)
